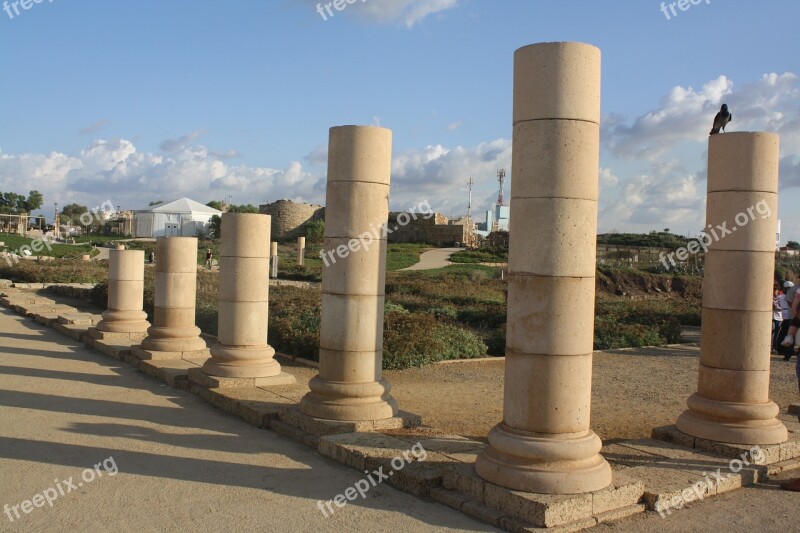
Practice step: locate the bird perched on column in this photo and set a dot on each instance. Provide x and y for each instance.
(721, 119)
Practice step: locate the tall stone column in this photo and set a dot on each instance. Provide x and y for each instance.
(544, 443)
(350, 386)
(301, 251)
(174, 334)
(732, 401)
(124, 316)
(242, 350)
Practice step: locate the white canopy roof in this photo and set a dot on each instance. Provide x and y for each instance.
(184, 205)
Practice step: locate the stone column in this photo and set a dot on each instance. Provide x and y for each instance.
(124, 315)
(301, 250)
(732, 401)
(544, 443)
(273, 253)
(242, 350)
(173, 333)
(350, 386)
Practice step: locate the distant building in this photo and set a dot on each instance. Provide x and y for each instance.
(289, 218)
(437, 230)
(501, 216)
(181, 218)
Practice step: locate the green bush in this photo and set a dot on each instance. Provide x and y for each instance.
(411, 340)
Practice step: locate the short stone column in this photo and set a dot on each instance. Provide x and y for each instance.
(350, 386)
(301, 251)
(174, 334)
(273, 263)
(544, 443)
(732, 401)
(242, 350)
(124, 317)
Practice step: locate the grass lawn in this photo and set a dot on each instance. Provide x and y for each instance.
(17, 243)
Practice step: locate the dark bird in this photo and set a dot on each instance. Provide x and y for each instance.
(721, 120)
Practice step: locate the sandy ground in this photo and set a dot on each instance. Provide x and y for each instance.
(180, 464)
(438, 258)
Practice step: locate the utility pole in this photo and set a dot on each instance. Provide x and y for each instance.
(470, 183)
(55, 230)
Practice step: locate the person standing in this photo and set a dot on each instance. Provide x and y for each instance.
(777, 315)
(788, 294)
(208, 258)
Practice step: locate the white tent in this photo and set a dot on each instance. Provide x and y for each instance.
(181, 218)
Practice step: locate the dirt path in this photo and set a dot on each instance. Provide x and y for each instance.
(431, 259)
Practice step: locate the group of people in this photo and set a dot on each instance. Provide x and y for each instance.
(785, 319)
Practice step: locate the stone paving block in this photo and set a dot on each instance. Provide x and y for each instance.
(353, 449)
(619, 514)
(794, 409)
(152, 355)
(771, 452)
(73, 331)
(663, 484)
(783, 466)
(624, 491)
(295, 433)
(541, 510)
(461, 478)
(46, 319)
(449, 498)
(322, 427)
(482, 513)
(166, 371)
(87, 319)
(135, 338)
(115, 349)
(214, 382)
(419, 477)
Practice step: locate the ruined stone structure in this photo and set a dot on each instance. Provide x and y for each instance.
(436, 230)
(544, 443)
(289, 217)
(350, 384)
(732, 401)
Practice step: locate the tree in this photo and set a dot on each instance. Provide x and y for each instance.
(793, 245)
(215, 226)
(249, 208)
(315, 230)
(216, 204)
(72, 213)
(35, 201)
(156, 202)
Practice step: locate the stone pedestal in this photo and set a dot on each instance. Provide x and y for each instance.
(544, 443)
(124, 317)
(350, 385)
(732, 401)
(242, 350)
(301, 251)
(173, 334)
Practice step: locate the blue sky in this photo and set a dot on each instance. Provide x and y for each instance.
(153, 100)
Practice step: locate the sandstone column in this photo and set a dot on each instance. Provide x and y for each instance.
(124, 315)
(732, 401)
(273, 253)
(242, 350)
(544, 443)
(173, 333)
(350, 384)
(301, 250)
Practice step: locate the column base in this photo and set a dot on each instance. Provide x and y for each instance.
(242, 362)
(124, 322)
(332, 400)
(544, 463)
(734, 423)
(158, 340)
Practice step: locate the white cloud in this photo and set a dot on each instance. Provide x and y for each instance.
(772, 103)
(453, 126)
(114, 170)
